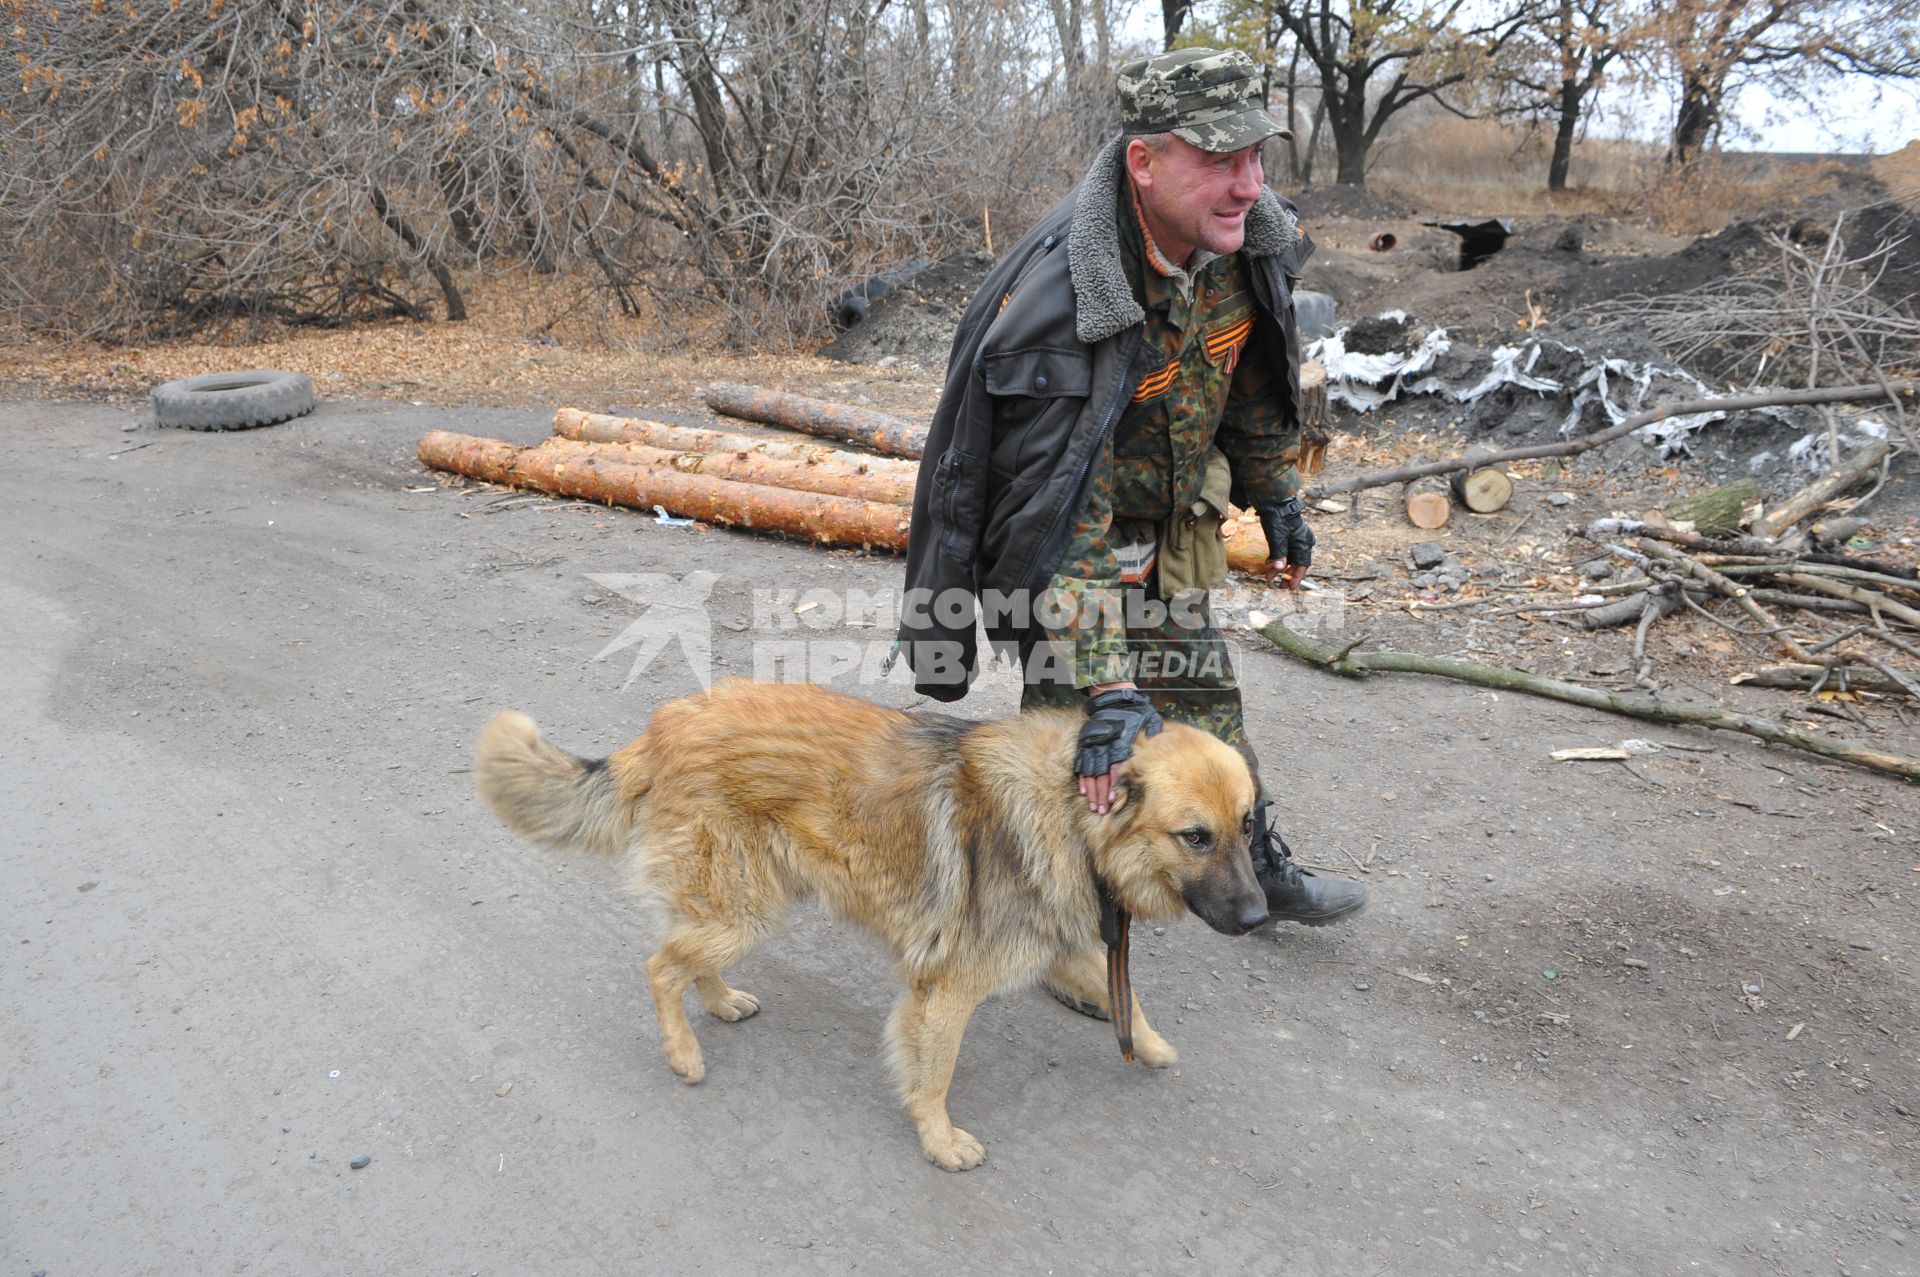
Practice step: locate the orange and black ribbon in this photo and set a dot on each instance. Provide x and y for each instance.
(1156, 383)
(1221, 342)
(1116, 927)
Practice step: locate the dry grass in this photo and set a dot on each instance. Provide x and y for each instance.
(1459, 165)
(1480, 166)
(1708, 194)
(1901, 172)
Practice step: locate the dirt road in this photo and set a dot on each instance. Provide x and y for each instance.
(1599, 1020)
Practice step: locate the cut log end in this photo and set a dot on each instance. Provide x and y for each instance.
(1484, 490)
(1428, 504)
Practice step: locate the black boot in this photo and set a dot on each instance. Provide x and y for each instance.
(1295, 894)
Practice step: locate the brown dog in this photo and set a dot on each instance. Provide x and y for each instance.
(963, 846)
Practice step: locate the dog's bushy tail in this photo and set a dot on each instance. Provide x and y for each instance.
(547, 795)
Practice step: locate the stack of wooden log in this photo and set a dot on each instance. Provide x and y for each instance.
(797, 487)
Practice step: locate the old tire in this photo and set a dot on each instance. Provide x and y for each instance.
(232, 400)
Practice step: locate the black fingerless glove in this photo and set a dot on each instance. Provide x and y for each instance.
(1288, 536)
(1114, 718)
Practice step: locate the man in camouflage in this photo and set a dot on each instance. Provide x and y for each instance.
(1200, 108)
(1174, 265)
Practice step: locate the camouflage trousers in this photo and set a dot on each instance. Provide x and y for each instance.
(1174, 655)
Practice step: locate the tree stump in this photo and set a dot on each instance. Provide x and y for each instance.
(1313, 418)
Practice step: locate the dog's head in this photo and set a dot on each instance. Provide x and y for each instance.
(1179, 832)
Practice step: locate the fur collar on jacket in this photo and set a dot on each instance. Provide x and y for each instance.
(1104, 298)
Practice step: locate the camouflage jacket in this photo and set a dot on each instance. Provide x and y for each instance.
(1045, 361)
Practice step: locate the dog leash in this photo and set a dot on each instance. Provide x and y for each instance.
(1116, 928)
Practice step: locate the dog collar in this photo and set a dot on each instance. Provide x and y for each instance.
(1116, 927)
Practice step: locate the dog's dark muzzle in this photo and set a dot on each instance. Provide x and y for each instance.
(1233, 912)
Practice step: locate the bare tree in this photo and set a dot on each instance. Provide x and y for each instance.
(1712, 47)
(1173, 16)
(185, 163)
(1374, 58)
(1558, 63)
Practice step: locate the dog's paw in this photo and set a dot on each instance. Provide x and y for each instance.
(688, 1063)
(735, 1004)
(1155, 1052)
(958, 1152)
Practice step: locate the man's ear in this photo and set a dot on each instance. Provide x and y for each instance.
(1139, 159)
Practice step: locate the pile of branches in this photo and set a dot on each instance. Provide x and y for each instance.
(1845, 624)
(1813, 315)
(1851, 624)
(1841, 621)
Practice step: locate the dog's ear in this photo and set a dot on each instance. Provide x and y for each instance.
(1128, 790)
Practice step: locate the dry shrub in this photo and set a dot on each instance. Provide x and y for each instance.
(165, 171)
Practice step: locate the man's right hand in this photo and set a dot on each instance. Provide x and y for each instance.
(1289, 542)
(1115, 715)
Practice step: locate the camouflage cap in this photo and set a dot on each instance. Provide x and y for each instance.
(1211, 98)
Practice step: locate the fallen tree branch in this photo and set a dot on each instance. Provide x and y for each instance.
(1654, 604)
(1807, 602)
(1359, 665)
(1875, 601)
(1763, 549)
(1728, 403)
(1891, 641)
(1827, 571)
(1822, 490)
(1804, 678)
(1728, 626)
(1906, 684)
(1627, 589)
(1838, 639)
(1607, 615)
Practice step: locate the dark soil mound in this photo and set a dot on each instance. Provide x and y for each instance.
(1714, 257)
(1379, 336)
(1356, 202)
(1890, 223)
(915, 321)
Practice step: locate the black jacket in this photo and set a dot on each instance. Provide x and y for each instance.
(1042, 365)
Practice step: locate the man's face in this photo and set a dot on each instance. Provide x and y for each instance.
(1195, 198)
